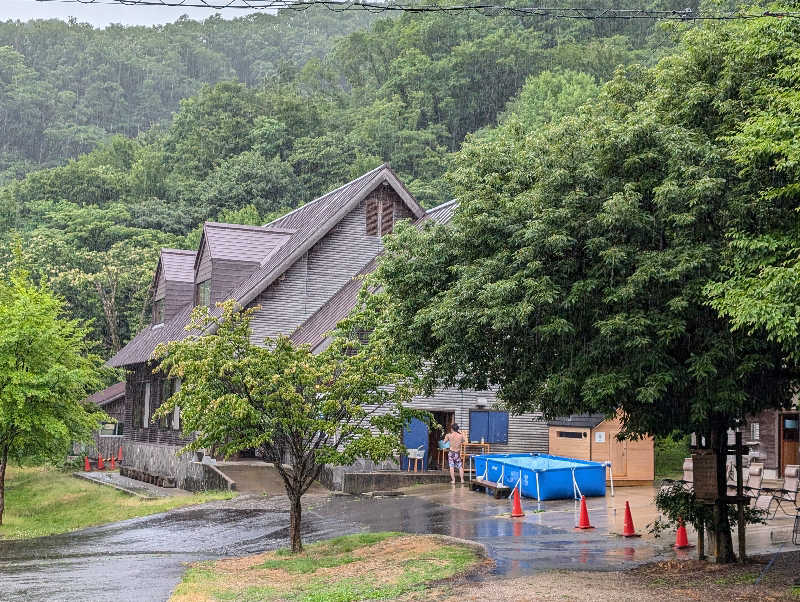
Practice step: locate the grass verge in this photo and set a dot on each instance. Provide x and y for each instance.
(367, 566)
(42, 500)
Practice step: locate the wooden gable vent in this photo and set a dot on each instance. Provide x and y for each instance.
(380, 210)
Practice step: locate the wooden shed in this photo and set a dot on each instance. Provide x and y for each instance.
(592, 437)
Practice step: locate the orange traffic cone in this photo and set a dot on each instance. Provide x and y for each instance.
(681, 541)
(516, 509)
(583, 523)
(86, 466)
(627, 525)
(100, 464)
(113, 467)
(119, 455)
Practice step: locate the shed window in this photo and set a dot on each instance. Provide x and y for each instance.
(492, 427)
(158, 311)
(571, 434)
(204, 292)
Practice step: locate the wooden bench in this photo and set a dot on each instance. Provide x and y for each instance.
(499, 490)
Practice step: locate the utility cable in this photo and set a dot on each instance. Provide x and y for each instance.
(586, 13)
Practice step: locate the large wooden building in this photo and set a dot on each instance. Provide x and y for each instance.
(301, 271)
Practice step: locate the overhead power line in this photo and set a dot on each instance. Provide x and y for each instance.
(487, 9)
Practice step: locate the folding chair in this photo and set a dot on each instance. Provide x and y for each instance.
(751, 485)
(788, 493)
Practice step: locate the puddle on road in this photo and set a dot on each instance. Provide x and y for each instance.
(539, 541)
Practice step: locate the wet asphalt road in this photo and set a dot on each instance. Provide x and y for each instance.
(143, 559)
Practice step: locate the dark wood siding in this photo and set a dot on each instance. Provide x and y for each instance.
(161, 283)
(226, 275)
(203, 264)
(768, 437)
(179, 295)
(137, 376)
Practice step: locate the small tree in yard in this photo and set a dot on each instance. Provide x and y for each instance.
(300, 409)
(46, 369)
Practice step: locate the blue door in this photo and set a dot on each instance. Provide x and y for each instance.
(415, 435)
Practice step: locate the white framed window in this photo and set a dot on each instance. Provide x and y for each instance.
(755, 431)
(176, 413)
(146, 406)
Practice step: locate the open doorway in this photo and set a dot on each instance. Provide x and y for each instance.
(790, 439)
(436, 460)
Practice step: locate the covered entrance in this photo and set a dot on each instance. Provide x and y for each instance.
(789, 439)
(417, 435)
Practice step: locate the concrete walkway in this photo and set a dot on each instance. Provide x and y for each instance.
(146, 491)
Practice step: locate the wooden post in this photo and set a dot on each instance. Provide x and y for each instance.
(740, 496)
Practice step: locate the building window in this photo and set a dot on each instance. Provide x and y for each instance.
(204, 292)
(491, 427)
(158, 311)
(169, 387)
(755, 431)
(571, 434)
(109, 429)
(141, 404)
(146, 406)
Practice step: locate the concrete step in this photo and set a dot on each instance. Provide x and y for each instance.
(255, 477)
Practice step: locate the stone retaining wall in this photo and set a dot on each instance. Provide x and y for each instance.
(108, 444)
(162, 462)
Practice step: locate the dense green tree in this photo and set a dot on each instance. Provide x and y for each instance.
(101, 265)
(575, 275)
(249, 178)
(762, 263)
(47, 369)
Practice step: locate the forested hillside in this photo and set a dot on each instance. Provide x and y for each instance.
(280, 122)
(65, 87)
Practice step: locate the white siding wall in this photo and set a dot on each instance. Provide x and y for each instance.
(526, 433)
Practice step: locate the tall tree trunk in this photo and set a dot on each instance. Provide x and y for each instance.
(3, 464)
(295, 514)
(720, 523)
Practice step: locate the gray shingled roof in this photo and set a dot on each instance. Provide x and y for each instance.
(178, 265)
(312, 221)
(300, 229)
(108, 394)
(315, 330)
(243, 243)
(578, 420)
(141, 347)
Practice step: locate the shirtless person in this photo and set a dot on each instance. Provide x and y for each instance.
(455, 438)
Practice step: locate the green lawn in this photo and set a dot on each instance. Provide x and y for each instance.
(367, 566)
(669, 456)
(43, 500)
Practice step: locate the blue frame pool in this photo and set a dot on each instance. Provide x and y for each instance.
(543, 476)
